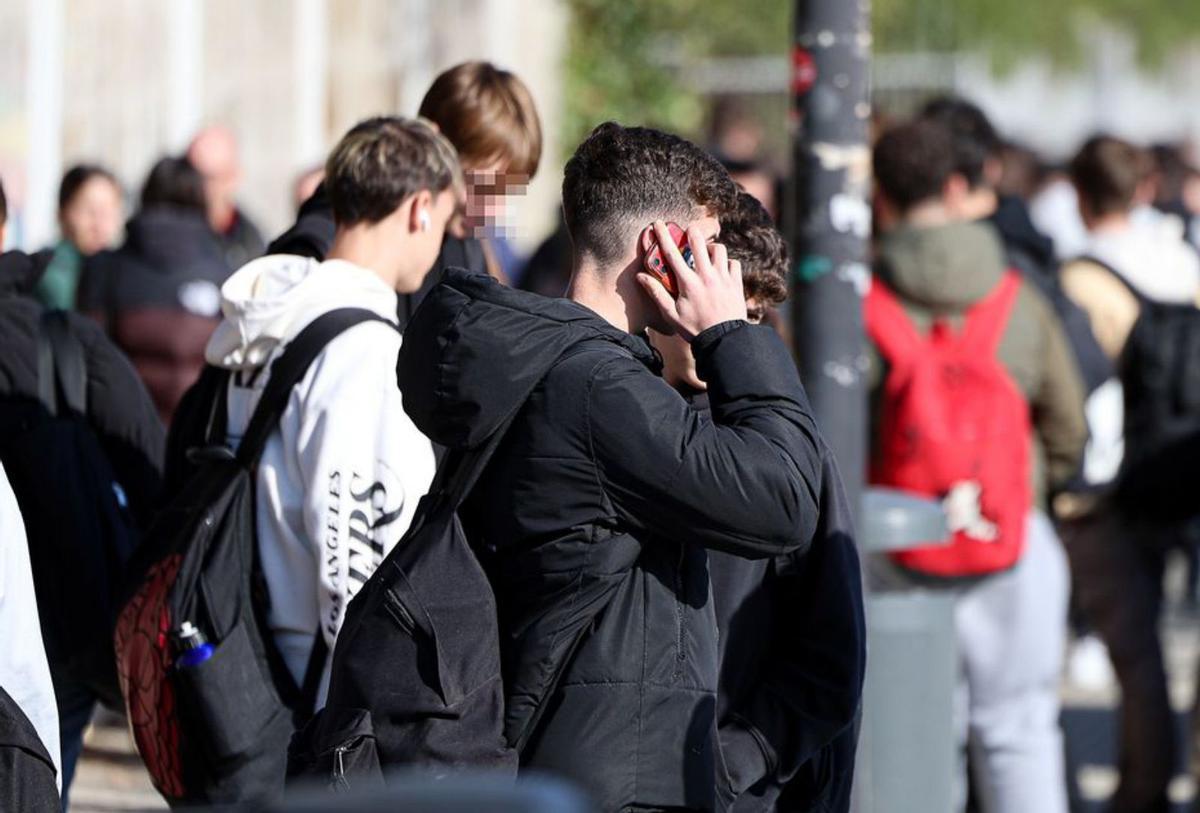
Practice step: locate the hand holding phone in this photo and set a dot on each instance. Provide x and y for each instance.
(655, 262)
(706, 286)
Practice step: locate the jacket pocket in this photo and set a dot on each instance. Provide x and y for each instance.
(338, 748)
(402, 604)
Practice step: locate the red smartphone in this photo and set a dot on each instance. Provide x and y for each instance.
(656, 264)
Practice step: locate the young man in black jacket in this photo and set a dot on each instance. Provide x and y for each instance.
(123, 418)
(792, 631)
(594, 515)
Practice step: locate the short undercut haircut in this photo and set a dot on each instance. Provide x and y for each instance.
(912, 163)
(1106, 173)
(620, 179)
(488, 115)
(381, 162)
(750, 237)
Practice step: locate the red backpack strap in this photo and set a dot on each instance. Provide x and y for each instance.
(889, 326)
(988, 318)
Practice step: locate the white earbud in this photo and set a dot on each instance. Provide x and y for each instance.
(423, 219)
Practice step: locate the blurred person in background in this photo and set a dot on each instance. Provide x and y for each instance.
(979, 159)
(56, 504)
(306, 185)
(774, 614)
(1055, 212)
(1118, 551)
(1010, 624)
(1178, 190)
(90, 213)
(1021, 171)
(158, 295)
(734, 132)
(214, 154)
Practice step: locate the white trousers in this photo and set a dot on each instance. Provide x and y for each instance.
(1012, 630)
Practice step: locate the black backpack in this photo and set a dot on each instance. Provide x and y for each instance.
(26, 769)
(416, 679)
(1160, 371)
(217, 731)
(81, 534)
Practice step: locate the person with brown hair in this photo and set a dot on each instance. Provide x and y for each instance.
(340, 476)
(489, 116)
(1117, 549)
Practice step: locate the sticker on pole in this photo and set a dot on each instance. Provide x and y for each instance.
(804, 71)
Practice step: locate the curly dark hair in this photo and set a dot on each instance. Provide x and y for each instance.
(912, 163)
(750, 236)
(622, 178)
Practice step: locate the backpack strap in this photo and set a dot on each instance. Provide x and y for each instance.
(1090, 259)
(62, 365)
(889, 326)
(988, 318)
(289, 368)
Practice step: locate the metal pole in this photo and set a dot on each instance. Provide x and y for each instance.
(830, 219)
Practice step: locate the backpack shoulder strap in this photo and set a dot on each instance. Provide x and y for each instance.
(888, 325)
(289, 368)
(1088, 259)
(62, 365)
(988, 318)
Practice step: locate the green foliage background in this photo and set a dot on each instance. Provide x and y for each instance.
(624, 57)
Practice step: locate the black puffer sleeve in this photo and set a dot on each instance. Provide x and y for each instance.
(746, 482)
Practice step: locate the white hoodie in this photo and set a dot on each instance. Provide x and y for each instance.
(340, 478)
(24, 672)
(1152, 255)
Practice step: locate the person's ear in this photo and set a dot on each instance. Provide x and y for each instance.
(993, 171)
(3, 230)
(646, 240)
(955, 190)
(420, 217)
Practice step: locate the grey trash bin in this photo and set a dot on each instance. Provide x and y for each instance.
(908, 749)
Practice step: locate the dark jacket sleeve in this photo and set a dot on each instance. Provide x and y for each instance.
(745, 482)
(811, 685)
(124, 419)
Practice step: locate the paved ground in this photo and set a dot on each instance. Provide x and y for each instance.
(111, 779)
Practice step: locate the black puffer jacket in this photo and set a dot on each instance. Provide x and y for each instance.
(119, 410)
(159, 298)
(793, 658)
(594, 515)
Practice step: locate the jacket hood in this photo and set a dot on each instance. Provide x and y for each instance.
(172, 239)
(18, 273)
(271, 299)
(944, 268)
(1152, 256)
(476, 349)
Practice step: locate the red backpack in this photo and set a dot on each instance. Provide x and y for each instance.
(955, 427)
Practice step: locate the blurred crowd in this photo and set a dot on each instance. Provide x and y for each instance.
(1101, 252)
(1092, 266)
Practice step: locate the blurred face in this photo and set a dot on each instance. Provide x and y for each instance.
(92, 219)
(488, 189)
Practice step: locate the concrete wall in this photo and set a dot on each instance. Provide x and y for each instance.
(122, 82)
